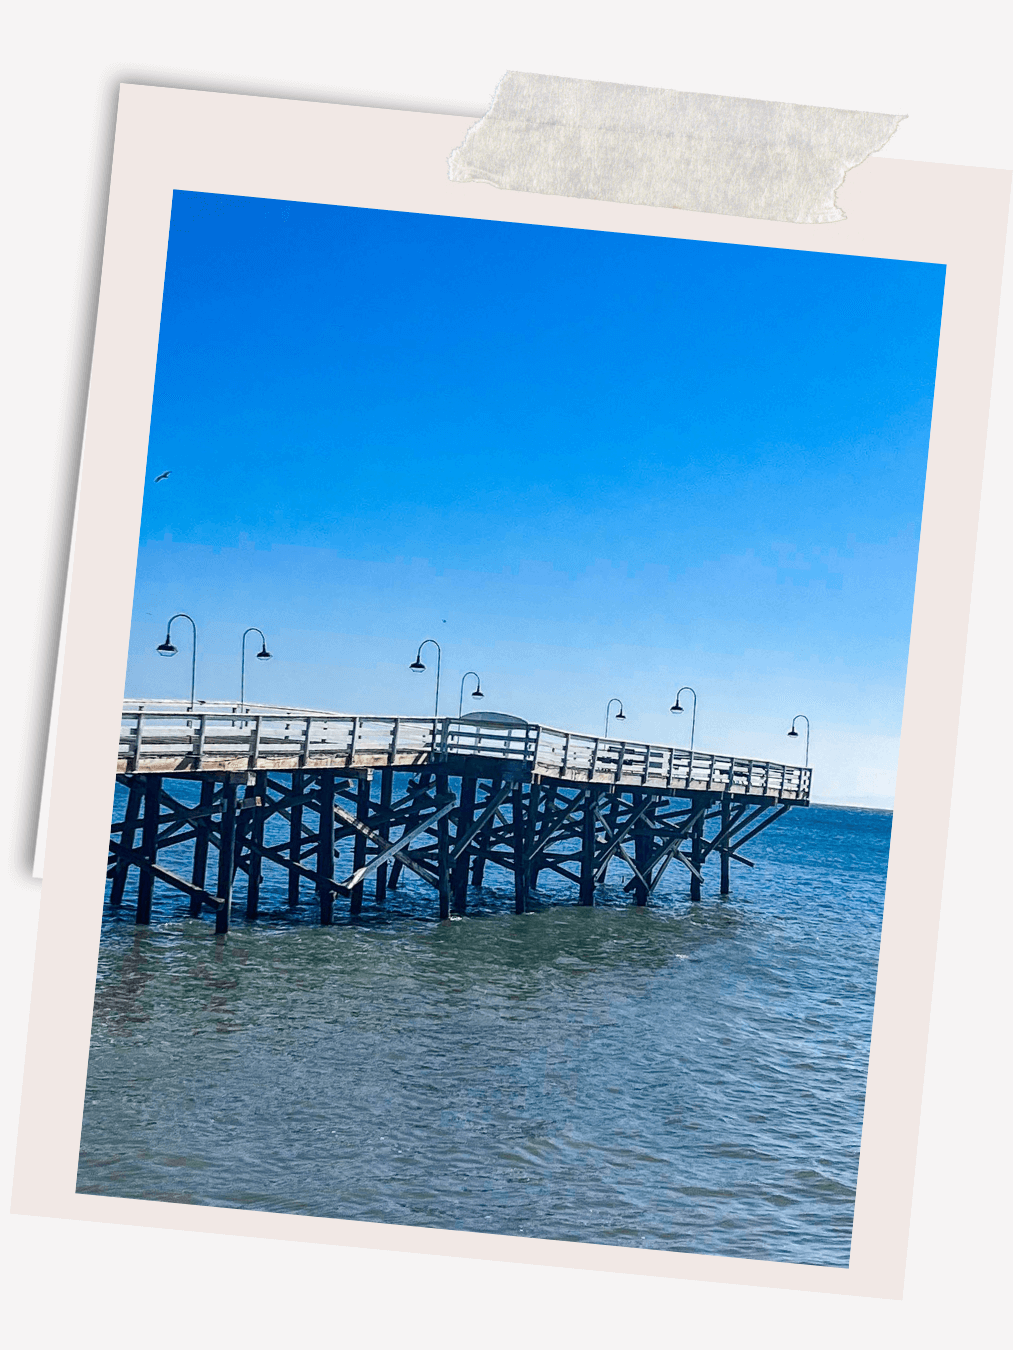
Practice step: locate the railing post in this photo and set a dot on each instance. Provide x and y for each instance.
(254, 743)
(305, 754)
(138, 738)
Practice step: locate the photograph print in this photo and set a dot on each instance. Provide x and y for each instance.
(504, 791)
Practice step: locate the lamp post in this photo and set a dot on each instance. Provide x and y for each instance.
(262, 655)
(475, 693)
(678, 708)
(167, 648)
(620, 715)
(793, 732)
(418, 665)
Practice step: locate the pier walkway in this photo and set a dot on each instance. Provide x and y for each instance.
(442, 797)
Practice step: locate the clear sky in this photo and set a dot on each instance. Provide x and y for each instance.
(589, 464)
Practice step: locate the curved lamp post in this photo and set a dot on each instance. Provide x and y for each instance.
(793, 732)
(262, 655)
(475, 693)
(418, 665)
(678, 708)
(620, 715)
(167, 648)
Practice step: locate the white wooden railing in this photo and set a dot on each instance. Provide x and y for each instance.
(160, 736)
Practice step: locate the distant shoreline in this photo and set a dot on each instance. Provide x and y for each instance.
(840, 806)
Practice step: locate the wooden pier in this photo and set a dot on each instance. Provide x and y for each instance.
(443, 797)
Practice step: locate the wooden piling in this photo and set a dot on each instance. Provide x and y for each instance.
(520, 870)
(588, 833)
(386, 794)
(226, 858)
(642, 841)
(443, 849)
(484, 841)
(201, 843)
(465, 820)
(325, 845)
(696, 856)
(255, 830)
(135, 796)
(363, 792)
(149, 844)
(295, 837)
(726, 818)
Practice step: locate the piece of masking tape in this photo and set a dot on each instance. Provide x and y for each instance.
(660, 147)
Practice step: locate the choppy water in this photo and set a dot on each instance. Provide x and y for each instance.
(687, 1077)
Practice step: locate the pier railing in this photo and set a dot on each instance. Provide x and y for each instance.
(160, 736)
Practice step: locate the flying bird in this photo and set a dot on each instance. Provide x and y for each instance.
(163, 475)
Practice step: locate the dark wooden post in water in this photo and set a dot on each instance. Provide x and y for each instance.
(295, 837)
(386, 793)
(726, 818)
(411, 821)
(149, 844)
(135, 795)
(226, 857)
(363, 791)
(587, 838)
(641, 851)
(202, 840)
(465, 820)
(696, 855)
(484, 840)
(520, 869)
(325, 845)
(256, 834)
(443, 849)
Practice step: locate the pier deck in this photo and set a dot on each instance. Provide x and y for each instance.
(442, 797)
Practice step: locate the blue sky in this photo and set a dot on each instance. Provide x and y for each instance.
(588, 464)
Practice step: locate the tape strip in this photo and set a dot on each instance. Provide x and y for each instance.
(659, 147)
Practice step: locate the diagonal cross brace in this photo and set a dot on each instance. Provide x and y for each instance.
(387, 850)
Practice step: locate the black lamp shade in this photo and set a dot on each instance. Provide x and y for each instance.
(166, 648)
(416, 665)
(793, 732)
(477, 693)
(676, 706)
(263, 654)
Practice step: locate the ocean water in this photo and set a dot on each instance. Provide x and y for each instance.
(683, 1077)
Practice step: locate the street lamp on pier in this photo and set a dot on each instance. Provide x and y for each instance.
(793, 732)
(262, 655)
(417, 664)
(475, 693)
(678, 708)
(620, 715)
(167, 648)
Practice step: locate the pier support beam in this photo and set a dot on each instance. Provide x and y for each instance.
(201, 843)
(325, 846)
(226, 858)
(386, 795)
(465, 819)
(642, 850)
(726, 817)
(696, 856)
(135, 796)
(484, 840)
(587, 838)
(443, 849)
(520, 868)
(295, 838)
(255, 830)
(149, 845)
(362, 795)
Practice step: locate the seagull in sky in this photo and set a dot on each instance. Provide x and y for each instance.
(163, 475)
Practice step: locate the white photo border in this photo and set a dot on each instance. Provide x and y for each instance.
(169, 139)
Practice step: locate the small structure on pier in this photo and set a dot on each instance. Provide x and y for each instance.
(444, 797)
